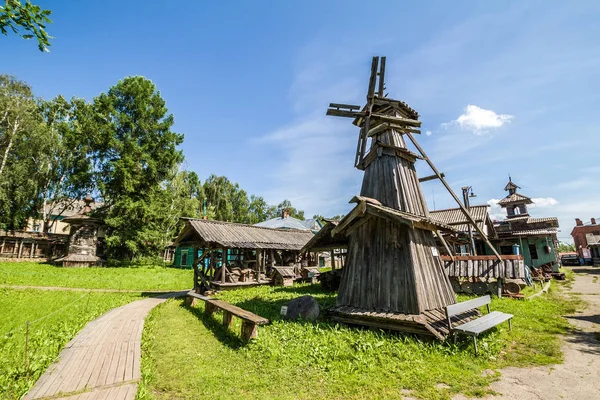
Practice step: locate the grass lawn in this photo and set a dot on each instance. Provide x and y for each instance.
(143, 278)
(189, 356)
(49, 331)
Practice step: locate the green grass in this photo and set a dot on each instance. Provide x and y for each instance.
(50, 329)
(190, 356)
(146, 278)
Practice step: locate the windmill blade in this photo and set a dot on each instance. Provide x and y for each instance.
(368, 109)
(382, 78)
(357, 159)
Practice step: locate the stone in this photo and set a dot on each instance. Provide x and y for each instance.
(305, 307)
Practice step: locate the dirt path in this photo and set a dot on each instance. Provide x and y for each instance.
(103, 360)
(579, 376)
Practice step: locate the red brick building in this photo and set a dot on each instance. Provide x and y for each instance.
(587, 240)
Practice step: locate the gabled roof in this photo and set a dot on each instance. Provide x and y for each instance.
(535, 232)
(241, 236)
(511, 185)
(283, 223)
(370, 207)
(457, 220)
(324, 240)
(515, 198)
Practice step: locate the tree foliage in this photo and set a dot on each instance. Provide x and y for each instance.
(134, 152)
(122, 150)
(565, 247)
(26, 20)
(20, 131)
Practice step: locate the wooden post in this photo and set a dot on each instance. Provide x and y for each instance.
(227, 319)
(20, 248)
(2, 246)
(249, 330)
(499, 287)
(223, 259)
(439, 235)
(190, 301)
(271, 258)
(332, 259)
(258, 263)
(32, 250)
(195, 266)
(209, 308)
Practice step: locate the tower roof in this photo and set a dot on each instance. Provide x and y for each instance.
(515, 198)
(511, 185)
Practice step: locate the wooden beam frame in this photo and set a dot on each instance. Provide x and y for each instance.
(462, 207)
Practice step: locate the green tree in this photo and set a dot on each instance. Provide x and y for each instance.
(565, 247)
(286, 205)
(64, 171)
(258, 210)
(135, 152)
(182, 196)
(21, 128)
(26, 20)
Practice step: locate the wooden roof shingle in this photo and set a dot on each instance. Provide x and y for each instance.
(242, 236)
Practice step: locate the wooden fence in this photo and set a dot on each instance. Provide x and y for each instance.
(511, 267)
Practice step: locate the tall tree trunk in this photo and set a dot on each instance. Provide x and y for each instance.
(9, 145)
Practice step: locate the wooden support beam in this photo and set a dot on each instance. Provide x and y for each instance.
(223, 267)
(332, 253)
(399, 121)
(445, 244)
(344, 113)
(462, 207)
(258, 263)
(340, 105)
(2, 246)
(431, 177)
(20, 248)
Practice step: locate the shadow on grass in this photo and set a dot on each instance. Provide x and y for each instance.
(215, 325)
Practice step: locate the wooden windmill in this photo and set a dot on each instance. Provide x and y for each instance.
(393, 278)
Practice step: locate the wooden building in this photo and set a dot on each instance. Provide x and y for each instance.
(31, 245)
(587, 241)
(459, 240)
(227, 255)
(83, 238)
(536, 237)
(394, 277)
(324, 246)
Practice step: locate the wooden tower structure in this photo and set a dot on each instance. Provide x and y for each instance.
(394, 277)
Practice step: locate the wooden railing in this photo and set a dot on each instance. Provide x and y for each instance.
(511, 266)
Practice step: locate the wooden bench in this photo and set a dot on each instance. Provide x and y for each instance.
(475, 327)
(250, 321)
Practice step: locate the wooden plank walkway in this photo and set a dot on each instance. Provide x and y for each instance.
(103, 360)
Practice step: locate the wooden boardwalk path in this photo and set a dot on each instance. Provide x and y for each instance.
(103, 360)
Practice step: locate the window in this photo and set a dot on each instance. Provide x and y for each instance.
(506, 250)
(184, 255)
(533, 252)
(36, 227)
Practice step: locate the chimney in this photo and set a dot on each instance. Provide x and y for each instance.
(593, 221)
(285, 213)
(578, 222)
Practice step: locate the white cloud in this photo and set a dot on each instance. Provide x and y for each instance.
(543, 202)
(480, 120)
(496, 212)
(428, 133)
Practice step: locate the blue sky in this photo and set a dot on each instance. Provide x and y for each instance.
(502, 88)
